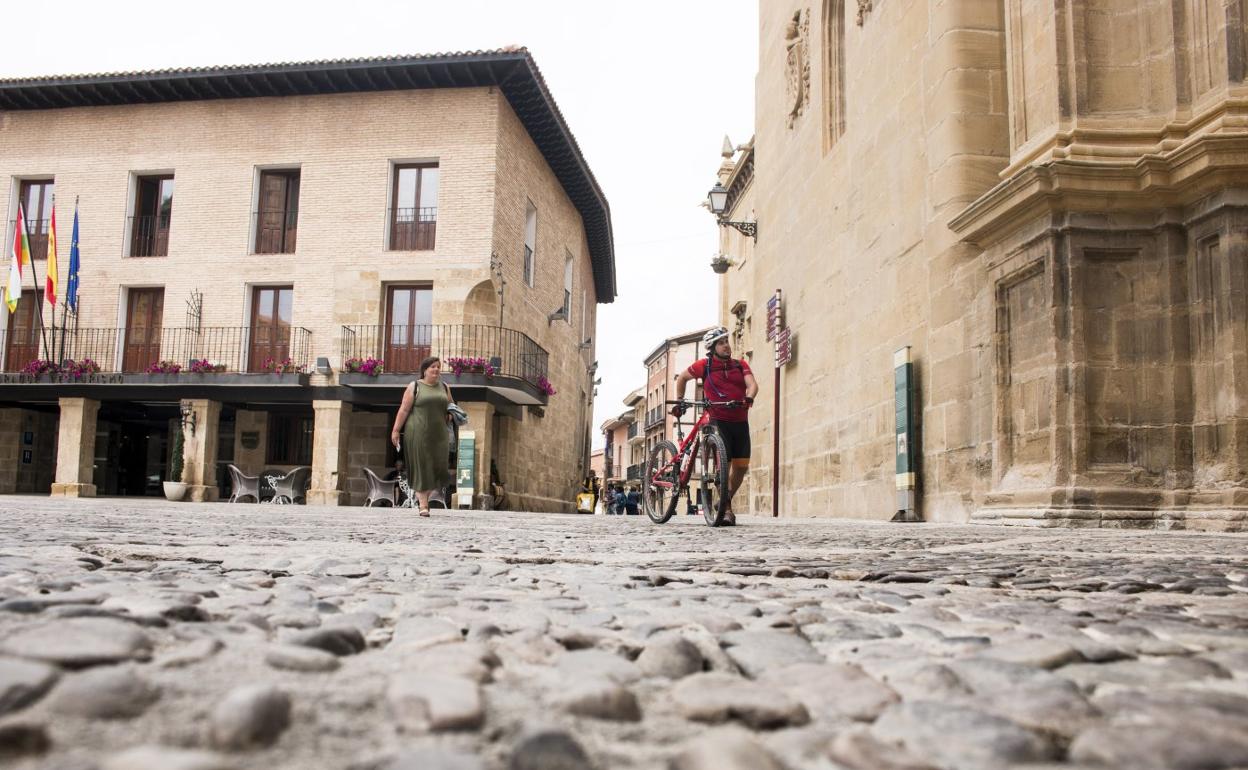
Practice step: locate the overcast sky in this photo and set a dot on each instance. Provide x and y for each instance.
(649, 88)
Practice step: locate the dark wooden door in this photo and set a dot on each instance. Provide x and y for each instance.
(409, 330)
(278, 215)
(271, 310)
(145, 310)
(21, 343)
(36, 199)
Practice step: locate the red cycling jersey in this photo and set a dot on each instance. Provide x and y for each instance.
(726, 383)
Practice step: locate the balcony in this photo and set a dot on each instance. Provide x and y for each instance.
(149, 235)
(634, 472)
(518, 363)
(655, 417)
(36, 237)
(413, 229)
(227, 350)
(632, 431)
(275, 231)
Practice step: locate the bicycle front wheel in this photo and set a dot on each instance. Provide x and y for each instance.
(658, 482)
(713, 456)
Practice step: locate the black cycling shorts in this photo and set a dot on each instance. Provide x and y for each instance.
(736, 437)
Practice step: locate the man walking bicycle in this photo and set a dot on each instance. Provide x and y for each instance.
(724, 379)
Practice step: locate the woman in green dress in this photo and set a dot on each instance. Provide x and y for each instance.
(425, 440)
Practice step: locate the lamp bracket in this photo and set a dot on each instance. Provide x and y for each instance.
(745, 228)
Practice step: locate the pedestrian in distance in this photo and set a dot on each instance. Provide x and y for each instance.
(421, 431)
(724, 379)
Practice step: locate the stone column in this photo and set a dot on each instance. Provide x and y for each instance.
(329, 453)
(10, 449)
(75, 454)
(200, 450)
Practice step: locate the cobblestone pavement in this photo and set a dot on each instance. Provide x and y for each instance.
(143, 635)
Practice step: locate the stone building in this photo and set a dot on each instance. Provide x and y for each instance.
(280, 225)
(1047, 203)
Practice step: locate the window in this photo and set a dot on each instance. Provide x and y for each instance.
(22, 342)
(153, 210)
(277, 217)
(290, 439)
(530, 244)
(272, 308)
(833, 70)
(567, 288)
(145, 315)
(414, 212)
(409, 327)
(36, 198)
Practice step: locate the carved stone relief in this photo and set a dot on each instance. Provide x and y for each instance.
(864, 7)
(797, 65)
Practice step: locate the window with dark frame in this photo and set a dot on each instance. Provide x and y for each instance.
(36, 197)
(277, 216)
(272, 310)
(414, 211)
(530, 244)
(22, 341)
(567, 287)
(153, 211)
(290, 439)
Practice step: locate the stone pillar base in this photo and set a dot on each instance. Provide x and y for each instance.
(72, 489)
(201, 494)
(328, 497)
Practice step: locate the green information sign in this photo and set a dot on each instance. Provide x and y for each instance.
(466, 469)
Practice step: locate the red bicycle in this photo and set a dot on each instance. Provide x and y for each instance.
(669, 470)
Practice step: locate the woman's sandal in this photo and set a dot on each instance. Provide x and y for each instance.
(424, 512)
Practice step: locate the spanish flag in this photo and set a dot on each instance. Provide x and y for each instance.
(19, 255)
(50, 283)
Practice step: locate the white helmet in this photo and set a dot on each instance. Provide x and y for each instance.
(712, 336)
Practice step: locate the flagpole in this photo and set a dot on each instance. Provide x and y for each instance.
(22, 234)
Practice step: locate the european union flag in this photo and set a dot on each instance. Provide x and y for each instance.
(71, 290)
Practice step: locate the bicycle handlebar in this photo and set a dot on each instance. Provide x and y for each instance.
(704, 403)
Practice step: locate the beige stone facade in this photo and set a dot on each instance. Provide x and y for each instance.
(346, 145)
(1046, 201)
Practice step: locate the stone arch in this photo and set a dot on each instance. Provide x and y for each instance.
(481, 305)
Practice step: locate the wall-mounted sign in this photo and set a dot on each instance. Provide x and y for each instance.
(775, 315)
(466, 469)
(250, 439)
(786, 346)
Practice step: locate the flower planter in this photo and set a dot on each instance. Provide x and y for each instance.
(175, 490)
(221, 378)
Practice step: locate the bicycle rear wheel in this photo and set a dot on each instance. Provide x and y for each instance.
(658, 482)
(713, 456)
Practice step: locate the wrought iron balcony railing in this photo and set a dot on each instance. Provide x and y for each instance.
(275, 231)
(412, 229)
(149, 235)
(36, 236)
(238, 349)
(401, 348)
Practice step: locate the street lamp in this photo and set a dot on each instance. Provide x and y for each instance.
(717, 200)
